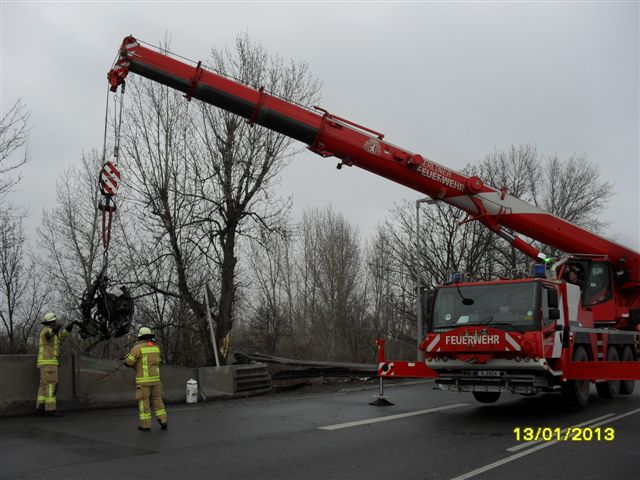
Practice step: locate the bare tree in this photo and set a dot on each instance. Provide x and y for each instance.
(23, 293)
(165, 255)
(574, 190)
(14, 135)
(239, 164)
(571, 189)
(517, 171)
(339, 327)
(206, 178)
(273, 301)
(380, 285)
(70, 235)
(14, 275)
(31, 307)
(390, 286)
(447, 243)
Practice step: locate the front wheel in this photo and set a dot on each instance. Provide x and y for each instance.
(486, 397)
(576, 392)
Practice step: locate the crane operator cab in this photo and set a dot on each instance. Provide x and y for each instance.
(595, 279)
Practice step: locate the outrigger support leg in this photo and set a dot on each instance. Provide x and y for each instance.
(381, 401)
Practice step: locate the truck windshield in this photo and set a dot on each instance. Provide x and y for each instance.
(497, 304)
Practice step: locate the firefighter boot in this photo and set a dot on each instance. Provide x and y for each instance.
(164, 425)
(40, 410)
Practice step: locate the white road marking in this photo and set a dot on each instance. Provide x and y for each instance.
(391, 417)
(520, 446)
(516, 456)
(616, 418)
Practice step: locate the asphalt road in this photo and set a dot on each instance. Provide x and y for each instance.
(427, 434)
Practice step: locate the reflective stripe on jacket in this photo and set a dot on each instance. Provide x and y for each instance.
(145, 357)
(49, 346)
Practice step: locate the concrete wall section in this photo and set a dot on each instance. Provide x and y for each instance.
(216, 382)
(93, 383)
(100, 383)
(108, 382)
(19, 380)
(174, 382)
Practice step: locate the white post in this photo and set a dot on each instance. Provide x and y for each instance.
(418, 287)
(213, 335)
(418, 249)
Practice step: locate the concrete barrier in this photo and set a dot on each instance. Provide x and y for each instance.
(102, 383)
(174, 382)
(95, 383)
(216, 382)
(19, 380)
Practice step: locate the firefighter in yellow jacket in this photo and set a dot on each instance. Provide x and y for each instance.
(145, 358)
(51, 339)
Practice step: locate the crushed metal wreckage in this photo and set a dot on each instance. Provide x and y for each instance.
(105, 314)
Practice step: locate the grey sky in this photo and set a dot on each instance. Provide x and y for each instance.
(452, 81)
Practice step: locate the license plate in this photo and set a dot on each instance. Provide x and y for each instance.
(488, 373)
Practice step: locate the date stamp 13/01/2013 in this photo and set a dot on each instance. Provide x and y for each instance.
(567, 434)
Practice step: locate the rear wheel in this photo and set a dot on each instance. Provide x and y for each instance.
(610, 388)
(486, 397)
(627, 386)
(576, 392)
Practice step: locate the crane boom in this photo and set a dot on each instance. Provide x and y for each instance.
(329, 135)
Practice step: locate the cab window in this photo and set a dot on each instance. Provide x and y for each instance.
(597, 288)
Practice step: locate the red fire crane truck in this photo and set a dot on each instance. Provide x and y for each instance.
(550, 332)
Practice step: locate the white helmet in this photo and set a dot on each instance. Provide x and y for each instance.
(144, 332)
(49, 317)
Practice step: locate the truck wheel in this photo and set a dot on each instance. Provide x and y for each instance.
(627, 386)
(486, 397)
(610, 388)
(576, 392)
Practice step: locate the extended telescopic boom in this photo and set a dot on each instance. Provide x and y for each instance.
(329, 135)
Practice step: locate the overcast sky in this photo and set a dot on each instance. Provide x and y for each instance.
(452, 81)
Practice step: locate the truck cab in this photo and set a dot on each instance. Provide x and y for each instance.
(488, 337)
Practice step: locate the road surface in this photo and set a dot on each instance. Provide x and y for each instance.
(427, 434)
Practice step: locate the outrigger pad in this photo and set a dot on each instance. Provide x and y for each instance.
(103, 313)
(381, 402)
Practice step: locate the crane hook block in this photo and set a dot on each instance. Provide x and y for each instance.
(109, 179)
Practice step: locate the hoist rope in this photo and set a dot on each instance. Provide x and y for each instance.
(108, 205)
(106, 122)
